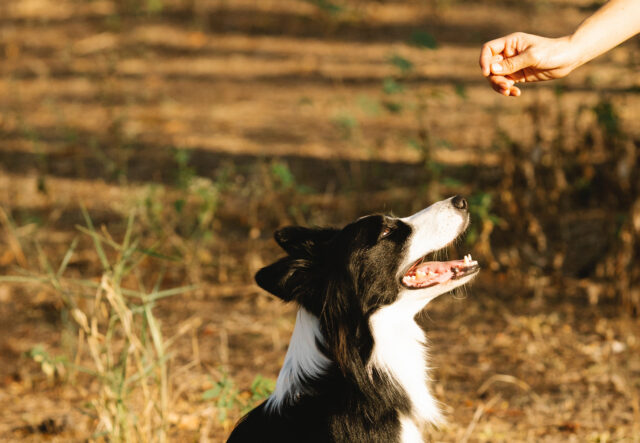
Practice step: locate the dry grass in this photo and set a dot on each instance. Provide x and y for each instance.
(117, 344)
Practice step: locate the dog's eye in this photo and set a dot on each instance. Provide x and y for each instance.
(385, 232)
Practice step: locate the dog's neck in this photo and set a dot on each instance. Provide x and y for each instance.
(400, 351)
(303, 361)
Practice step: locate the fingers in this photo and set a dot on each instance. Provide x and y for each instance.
(513, 64)
(505, 46)
(486, 68)
(485, 60)
(504, 85)
(489, 51)
(515, 91)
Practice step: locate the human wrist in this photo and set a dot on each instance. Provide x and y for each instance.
(577, 52)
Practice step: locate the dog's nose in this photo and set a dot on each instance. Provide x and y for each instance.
(460, 202)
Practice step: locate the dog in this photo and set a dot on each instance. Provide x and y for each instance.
(356, 366)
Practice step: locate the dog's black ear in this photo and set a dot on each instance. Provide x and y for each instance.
(291, 277)
(303, 242)
(284, 278)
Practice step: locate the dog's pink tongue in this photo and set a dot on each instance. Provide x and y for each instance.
(441, 269)
(433, 272)
(438, 266)
(443, 276)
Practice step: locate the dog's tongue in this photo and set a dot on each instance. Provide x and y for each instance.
(435, 272)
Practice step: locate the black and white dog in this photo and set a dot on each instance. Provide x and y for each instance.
(356, 367)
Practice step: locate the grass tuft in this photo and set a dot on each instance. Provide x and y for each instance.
(119, 341)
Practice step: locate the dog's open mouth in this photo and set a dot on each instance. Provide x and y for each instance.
(424, 274)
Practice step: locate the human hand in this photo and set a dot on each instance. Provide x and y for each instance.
(521, 57)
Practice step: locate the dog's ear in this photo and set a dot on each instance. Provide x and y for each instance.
(291, 277)
(284, 278)
(303, 242)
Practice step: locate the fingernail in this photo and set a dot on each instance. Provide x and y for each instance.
(496, 67)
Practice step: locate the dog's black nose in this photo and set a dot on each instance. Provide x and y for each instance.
(460, 202)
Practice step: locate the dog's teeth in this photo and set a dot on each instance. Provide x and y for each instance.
(469, 261)
(420, 274)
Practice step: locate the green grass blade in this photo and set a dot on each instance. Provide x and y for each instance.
(67, 257)
(171, 292)
(22, 279)
(96, 239)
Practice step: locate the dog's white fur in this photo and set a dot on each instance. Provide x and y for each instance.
(303, 360)
(400, 351)
(400, 344)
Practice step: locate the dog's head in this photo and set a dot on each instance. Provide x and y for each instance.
(379, 258)
(343, 276)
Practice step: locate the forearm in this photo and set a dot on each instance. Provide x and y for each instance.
(615, 22)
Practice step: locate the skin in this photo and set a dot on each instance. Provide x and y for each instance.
(520, 57)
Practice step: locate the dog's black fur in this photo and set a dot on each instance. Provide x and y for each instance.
(342, 277)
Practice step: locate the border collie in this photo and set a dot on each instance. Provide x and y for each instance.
(356, 367)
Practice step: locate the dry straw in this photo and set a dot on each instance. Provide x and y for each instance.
(119, 342)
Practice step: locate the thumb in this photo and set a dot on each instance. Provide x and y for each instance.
(513, 64)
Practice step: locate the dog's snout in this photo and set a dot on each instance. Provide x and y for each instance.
(460, 202)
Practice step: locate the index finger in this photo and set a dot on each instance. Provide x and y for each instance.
(490, 49)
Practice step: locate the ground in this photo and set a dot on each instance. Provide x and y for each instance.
(216, 122)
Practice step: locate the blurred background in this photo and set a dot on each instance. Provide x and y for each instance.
(149, 149)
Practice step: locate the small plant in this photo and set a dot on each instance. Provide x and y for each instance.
(423, 39)
(346, 124)
(288, 190)
(228, 398)
(483, 223)
(283, 174)
(184, 174)
(225, 396)
(480, 205)
(403, 64)
(261, 388)
(607, 118)
(186, 212)
(51, 366)
(391, 86)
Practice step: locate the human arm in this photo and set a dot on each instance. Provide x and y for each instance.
(522, 57)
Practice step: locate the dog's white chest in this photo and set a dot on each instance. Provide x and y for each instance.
(410, 433)
(400, 351)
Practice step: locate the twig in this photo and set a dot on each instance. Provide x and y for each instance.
(505, 379)
(477, 416)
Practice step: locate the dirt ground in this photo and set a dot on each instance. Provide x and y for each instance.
(507, 367)
(96, 98)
